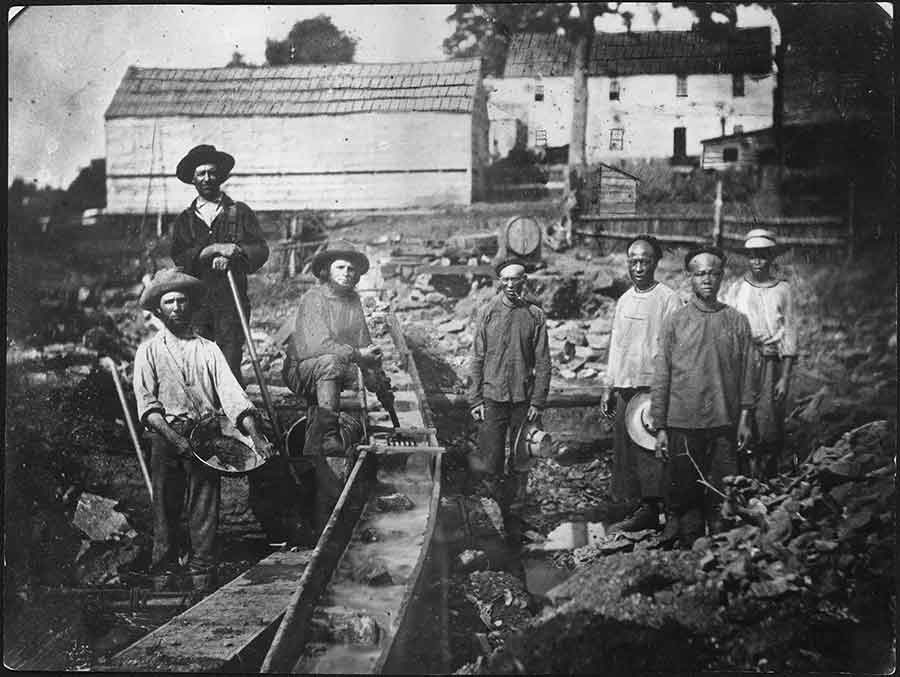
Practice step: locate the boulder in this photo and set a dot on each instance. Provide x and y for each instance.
(98, 518)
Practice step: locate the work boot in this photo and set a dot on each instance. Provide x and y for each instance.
(645, 517)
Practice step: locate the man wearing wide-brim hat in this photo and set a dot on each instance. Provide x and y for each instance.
(767, 301)
(329, 339)
(213, 235)
(179, 379)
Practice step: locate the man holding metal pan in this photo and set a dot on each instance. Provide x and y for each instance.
(180, 379)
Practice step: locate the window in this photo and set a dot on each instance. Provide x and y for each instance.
(540, 136)
(738, 129)
(681, 85)
(679, 142)
(737, 84)
(539, 92)
(617, 139)
(613, 90)
(730, 155)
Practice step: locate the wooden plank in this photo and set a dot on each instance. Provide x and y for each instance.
(675, 239)
(225, 626)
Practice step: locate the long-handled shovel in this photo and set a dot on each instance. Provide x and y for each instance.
(263, 389)
(110, 365)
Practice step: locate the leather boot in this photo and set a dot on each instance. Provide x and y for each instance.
(328, 394)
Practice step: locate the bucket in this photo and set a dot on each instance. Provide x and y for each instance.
(350, 428)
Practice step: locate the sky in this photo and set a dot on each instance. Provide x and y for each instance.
(65, 62)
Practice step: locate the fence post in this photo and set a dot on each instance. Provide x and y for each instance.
(717, 215)
(159, 225)
(292, 261)
(851, 219)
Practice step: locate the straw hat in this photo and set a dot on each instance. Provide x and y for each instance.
(760, 238)
(203, 154)
(637, 421)
(340, 249)
(171, 279)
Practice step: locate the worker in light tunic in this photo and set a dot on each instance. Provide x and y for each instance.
(180, 378)
(213, 235)
(703, 394)
(768, 304)
(638, 319)
(510, 377)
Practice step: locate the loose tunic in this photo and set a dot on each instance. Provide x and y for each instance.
(512, 355)
(328, 323)
(705, 370)
(186, 378)
(770, 310)
(633, 344)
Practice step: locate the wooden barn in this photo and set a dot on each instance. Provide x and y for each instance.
(610, 190)
(329, 137)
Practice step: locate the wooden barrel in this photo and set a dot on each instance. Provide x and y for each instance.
(523, 236)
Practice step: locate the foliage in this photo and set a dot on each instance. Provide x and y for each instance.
(485, 29)
(237, 61)
(315, 40)
(660, 183)
(88, 190)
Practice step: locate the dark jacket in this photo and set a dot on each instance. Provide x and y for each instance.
(512, 356)
(236, 223)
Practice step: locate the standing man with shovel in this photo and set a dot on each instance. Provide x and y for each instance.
(213, 236)
(180, 378)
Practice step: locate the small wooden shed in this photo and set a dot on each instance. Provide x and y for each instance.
(324, 136)
(610, 190)
(738, 151)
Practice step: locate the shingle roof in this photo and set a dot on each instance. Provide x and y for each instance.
(326, 89)
(653, 52)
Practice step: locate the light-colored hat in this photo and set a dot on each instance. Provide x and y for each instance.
(171, 279)
(760, 238)
(637, 421)
(340, 249)
(531, 442)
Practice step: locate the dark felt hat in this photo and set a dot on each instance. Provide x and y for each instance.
(339, 249)
(203, 154)
(171, 279)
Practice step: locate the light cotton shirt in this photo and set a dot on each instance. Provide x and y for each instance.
(329, 323)
(180, 377)
(770, 311)
(208, 210)
(705, 369)
(633, 345)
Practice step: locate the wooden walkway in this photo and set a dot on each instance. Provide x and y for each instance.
(228, 630)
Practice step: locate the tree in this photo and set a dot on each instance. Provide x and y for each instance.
(315, 40)
(237, 61)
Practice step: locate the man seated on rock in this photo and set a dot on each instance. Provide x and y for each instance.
(703, 393)
(638, 319)
(180, 378)
(510, 378)
(329, 341)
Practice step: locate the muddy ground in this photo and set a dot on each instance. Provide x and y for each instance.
(65, 437)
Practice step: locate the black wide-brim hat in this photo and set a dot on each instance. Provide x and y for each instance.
(171, 279)
(203, 154)
(340, 249)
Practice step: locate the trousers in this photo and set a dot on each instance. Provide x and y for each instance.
(502, 421)
(223, 325)
(714, 450)
(637, 473)
(178, 482)
(303, 376)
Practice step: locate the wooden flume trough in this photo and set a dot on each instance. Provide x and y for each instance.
(289, 612)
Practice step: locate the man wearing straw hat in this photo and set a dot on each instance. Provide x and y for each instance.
(179, 378)
(703, 393)
(768, 304)
(638, 319)
(213, 235)
(510, 380)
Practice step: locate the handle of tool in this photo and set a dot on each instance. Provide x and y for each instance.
(245, 325)
(110, 365)
(363, 404)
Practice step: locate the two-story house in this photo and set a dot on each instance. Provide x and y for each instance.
(651, 95)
